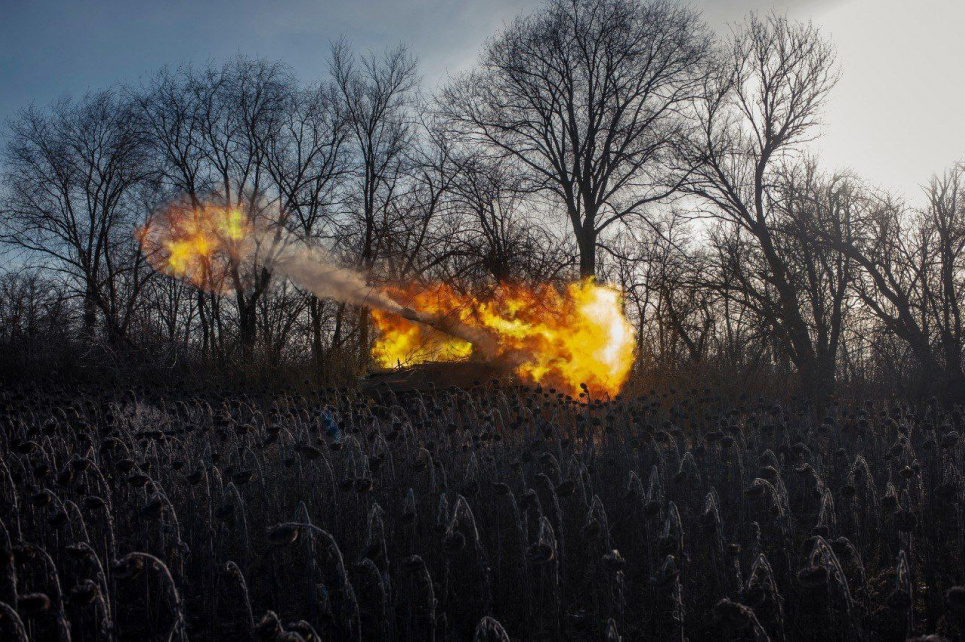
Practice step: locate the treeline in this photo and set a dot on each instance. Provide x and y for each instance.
(614, 139)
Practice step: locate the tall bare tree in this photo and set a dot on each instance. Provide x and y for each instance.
(378, 92)
(755, 113)
(75, 176)
(911, 274)
(587, 95)
(305, 156)
(208, 128)
(493, 234)
(945, 219)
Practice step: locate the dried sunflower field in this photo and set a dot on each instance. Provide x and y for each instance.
(490, 513)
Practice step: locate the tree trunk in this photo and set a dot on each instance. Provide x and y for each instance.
(90, 314)
(205, 329)
(364, 337)
(318, 350)
(953, 388)
(587, 245)
(248, 323)
(818, 377)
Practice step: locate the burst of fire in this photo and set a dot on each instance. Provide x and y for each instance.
(197, 244)
(557, 338)
(560, 338)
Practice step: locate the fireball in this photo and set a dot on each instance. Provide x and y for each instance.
(198, 244)
(560, 338)
(565, 338)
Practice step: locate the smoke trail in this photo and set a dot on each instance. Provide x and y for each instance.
(312, 268)
(206, 245)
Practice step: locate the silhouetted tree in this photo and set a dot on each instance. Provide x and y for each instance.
(77, 181)
(587, 95)
(761, 105)
(377, 92)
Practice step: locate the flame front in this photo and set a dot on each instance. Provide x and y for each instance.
(557, 338)
(560, 338)
(198, 244)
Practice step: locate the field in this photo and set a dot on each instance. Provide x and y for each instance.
(488, 513)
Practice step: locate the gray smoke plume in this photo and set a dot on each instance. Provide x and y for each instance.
(314, 269)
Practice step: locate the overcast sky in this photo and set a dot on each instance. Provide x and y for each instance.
(897, 116)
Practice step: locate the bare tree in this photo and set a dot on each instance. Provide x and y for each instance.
(411, 221)
(377, 92)
(73, 175)
(209, 129)
(586, 95)
(499, 228)
(305, 156)
(31, 307)
(911, 266)
(303, 149)
(945, 219)
(170, 308)
(682, 309)
(755, 113)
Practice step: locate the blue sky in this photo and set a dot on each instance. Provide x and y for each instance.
(897, 116)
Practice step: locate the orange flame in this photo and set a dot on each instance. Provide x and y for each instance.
(557, 338)
(561, 338)
(197, 244)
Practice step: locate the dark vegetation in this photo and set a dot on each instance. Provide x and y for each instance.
(493, 511)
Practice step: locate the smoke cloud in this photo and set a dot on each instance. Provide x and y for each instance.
(210, 245)
(314, 269)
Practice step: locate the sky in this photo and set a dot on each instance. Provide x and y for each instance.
(896, 117)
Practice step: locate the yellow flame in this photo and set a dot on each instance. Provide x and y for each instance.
(197, 244)
(559, 338)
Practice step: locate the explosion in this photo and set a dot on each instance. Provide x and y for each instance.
(561, 338)
(197, 244)
(558, 338)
